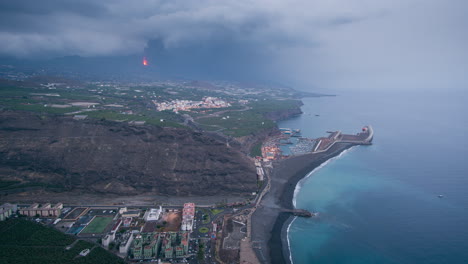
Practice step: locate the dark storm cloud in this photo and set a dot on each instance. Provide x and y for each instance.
(34, 16)
(114, 27)
(47, 7)
(327, 43)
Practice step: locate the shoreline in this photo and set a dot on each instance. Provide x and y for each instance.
(287, 223)
(269, 223)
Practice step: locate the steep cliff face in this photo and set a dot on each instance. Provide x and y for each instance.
(110, 157)
(284, 113)
(248, 142)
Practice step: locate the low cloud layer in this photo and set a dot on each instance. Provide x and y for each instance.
(324, 44)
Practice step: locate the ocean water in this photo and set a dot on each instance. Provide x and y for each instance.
(379, 203)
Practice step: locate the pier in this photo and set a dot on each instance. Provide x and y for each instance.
(325, 143)
(271, 149)
(363, 138)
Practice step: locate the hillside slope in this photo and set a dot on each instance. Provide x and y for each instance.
(111, 157)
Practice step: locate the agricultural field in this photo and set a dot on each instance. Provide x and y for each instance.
(135, 103)
(239, 123)
(97, 103)
(272, 105)
(253, 120)
(150, 118)
(22, 241)
(97, 225)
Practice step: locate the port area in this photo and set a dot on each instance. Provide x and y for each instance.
(289, 143)
(268, 220)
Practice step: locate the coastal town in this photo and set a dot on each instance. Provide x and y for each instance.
(233, 132)
(181, 234)
(187, 105)
(143, 227)
(170, 234)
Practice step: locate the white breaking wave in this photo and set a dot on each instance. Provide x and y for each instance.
(299, 184)
(287, 238)
(298, 188)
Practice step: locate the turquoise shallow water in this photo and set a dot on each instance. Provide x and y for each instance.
(379, 203)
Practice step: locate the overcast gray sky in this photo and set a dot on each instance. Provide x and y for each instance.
(325, 44)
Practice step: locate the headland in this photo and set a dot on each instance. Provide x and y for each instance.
(272, 215)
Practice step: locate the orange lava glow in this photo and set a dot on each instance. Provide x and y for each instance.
(145, 61)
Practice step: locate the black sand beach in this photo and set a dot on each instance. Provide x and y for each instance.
(269, 223)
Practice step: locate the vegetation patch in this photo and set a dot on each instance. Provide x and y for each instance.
(256, 150)
(23, 241)
(203, 230)
(216, 211)
(272, 105)
(153, 119)
(206, 219)
(253, 120)
(239, 123)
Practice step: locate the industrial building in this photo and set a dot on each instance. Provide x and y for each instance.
(45, 210)
(188, 215)
(6, 210)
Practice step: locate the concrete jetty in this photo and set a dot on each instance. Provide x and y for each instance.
(299, 212)
(363, 138)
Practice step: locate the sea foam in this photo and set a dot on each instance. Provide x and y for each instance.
(300, 183)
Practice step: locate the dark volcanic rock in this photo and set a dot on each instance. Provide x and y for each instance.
(110, 157)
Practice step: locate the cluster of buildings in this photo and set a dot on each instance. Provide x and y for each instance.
(6, 210)
(188, 216)
(271, 151)
(260, 171)
(186, 105)
(45, 210)
(145, 236)
(152, 239)
(35, 210)
(161, 245)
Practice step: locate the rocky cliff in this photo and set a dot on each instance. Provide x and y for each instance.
(284, 113)
(110, 157)
(248, 142)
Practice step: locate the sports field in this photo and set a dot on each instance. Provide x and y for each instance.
(98, 225)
